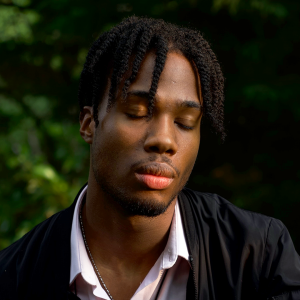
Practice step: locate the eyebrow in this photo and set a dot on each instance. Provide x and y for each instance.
(184, 103)
(141, 94)
(190, 104)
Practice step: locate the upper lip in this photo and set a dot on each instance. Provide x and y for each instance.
(156, 169)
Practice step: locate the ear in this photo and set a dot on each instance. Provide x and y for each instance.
(87, 124)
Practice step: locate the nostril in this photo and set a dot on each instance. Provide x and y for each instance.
(154, 149)
(170, 151)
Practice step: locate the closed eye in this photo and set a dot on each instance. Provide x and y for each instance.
(186, 123)
(185, 127)
(131, 116)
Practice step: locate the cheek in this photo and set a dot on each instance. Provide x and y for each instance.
(116, 137)
(188, 152)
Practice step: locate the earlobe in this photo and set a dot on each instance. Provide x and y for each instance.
(87, 124)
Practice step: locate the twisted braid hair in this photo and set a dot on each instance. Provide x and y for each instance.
(125, 46)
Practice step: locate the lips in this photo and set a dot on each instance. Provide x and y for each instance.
(156, 176)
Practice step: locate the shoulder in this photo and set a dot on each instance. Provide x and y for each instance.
(44, 247)
(257, 246)
(19, 259)
(215, 204)
(27, 266)
(225, 217)
(32, 239)
(56, 228)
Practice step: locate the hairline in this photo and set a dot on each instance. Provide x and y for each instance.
(172, 49)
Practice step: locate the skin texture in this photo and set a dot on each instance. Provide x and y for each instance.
(124, 239)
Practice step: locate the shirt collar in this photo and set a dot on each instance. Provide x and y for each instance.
(176, 245)
(75, 240)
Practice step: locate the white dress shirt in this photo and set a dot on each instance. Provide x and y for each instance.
(174, 258)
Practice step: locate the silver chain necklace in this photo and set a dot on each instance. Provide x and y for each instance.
(90, 255)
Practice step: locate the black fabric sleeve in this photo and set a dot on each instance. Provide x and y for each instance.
(280, 276)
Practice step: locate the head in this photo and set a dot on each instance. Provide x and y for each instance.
(144, 88)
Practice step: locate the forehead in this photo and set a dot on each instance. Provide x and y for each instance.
(177, 80)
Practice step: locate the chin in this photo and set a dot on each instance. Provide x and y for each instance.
(146, 208)
(139, 205)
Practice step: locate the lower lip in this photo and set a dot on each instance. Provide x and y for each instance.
(154, 182)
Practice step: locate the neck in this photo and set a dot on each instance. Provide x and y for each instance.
(121, 241)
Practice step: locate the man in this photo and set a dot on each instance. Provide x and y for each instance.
(134, 231)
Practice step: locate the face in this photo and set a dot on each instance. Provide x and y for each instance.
(143, 161)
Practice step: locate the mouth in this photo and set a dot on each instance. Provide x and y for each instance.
(157, 176)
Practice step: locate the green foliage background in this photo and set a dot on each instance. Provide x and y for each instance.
(44, 162)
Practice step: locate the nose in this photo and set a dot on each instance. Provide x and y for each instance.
(161, 137)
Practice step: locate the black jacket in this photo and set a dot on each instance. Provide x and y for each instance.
(235, 254)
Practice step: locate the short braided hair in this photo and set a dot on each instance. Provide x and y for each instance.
(132, 39)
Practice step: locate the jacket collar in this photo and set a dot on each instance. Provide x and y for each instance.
(192, 239)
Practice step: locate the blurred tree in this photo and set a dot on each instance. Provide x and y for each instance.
(43, 47)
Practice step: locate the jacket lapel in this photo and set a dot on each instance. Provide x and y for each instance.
(199, 283)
